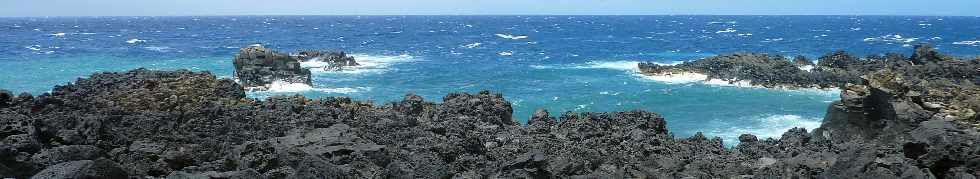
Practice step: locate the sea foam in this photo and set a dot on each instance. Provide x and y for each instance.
(367, 64)
(133, 41)
(762, 126)
(285, 87)
(975, 42)
(891, 38)
(512, 37)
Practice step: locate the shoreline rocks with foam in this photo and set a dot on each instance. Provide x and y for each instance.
(182, 124)
(257, 68)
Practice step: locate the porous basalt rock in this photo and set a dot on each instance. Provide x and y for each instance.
(833, 70)
(257, 67)
(882, 128)
(336, 60)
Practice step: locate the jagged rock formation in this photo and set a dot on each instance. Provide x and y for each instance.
(335, 60)
(833, 70)
(257, 67)
(184, 124)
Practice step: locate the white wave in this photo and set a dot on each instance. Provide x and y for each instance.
(614, 65)
(541, 67)
(974, 42)
(891, 38)
(745, 34)
(728, 30)
(691, 77)
(676, 78)
(159, 49)
(763, 126)
(729, 22)
(472, 45)
(366, 64)
(133, 41)
(283, 87)
(807, 68)
(59, 34)
(34, 47)
(732, 83)
(773, 40)
(513, 37)
(505, 53)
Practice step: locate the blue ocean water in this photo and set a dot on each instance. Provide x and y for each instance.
(561, 63)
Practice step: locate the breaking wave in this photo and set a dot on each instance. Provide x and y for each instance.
(892, 38)
(763, 126)
(512, 37)
(367, 64)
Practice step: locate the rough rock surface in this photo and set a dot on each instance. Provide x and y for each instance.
(833, 70)
(257, 67)
(181, 124)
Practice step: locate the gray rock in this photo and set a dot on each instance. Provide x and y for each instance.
(56, 155)
(100, 168)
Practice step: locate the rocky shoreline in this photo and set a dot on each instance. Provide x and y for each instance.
(901, 121)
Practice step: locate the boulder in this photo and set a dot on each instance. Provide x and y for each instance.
(256, 66)
(99, 168)
(5, 98)
(56, 155)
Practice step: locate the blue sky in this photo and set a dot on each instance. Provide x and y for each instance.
(482, 7)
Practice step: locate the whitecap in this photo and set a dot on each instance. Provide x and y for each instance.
(675, 78)
(159, 49)
(745, 35)
(59, 34)
(728, 30)
(512, 37)
(284, 87)
(773, 40)
(472, 45)
(632, 66)
(133, 41)
(730, 83)
(973, 42)
(717, 22)
(615, 65)
(366, 64)
(34, 47)
(807, 68)
(892, 38)
(762, 126)
(505, 53)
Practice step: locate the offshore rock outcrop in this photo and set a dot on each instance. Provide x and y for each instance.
(257, 67)
(182, 124)
(833, 70)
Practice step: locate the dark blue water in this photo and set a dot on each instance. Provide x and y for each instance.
(561, 63)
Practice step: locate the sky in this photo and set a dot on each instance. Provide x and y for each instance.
(20, 8)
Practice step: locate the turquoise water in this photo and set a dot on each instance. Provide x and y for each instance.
(560, 63)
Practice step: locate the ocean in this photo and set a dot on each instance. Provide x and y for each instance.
(560, 63)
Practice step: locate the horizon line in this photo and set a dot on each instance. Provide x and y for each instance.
(246, 15)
